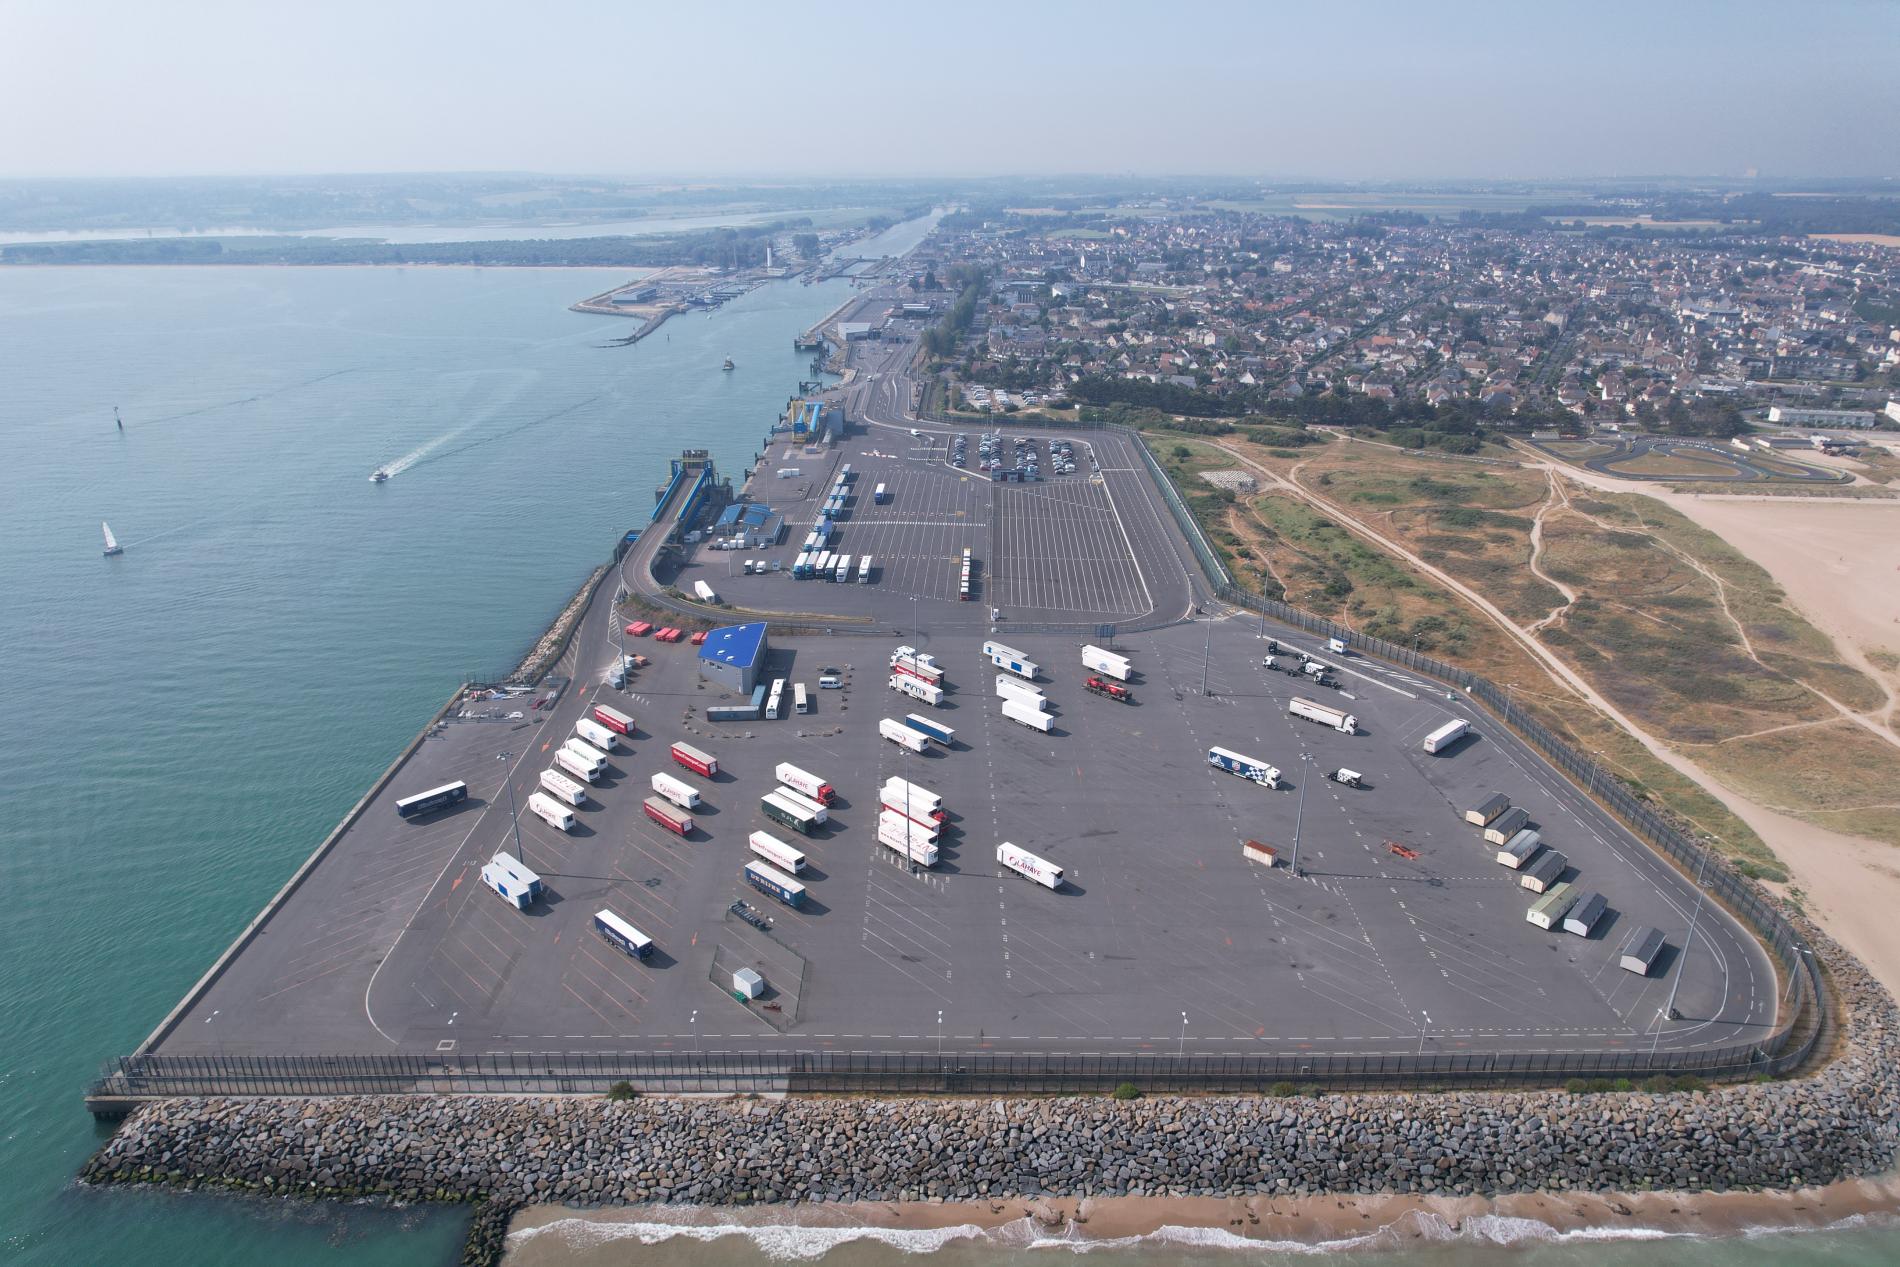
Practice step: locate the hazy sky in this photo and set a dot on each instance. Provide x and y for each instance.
(1325, 88)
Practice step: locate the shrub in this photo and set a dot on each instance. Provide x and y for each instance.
(1126, 1091)
(1282, 1090)
(623, 1091)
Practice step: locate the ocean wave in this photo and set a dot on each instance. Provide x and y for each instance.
(785, 1242)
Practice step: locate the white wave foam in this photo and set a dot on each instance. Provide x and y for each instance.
(780, 1241)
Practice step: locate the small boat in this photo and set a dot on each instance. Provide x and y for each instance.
(381, 477)
(117, 419)
(728, 365)
(112, 543)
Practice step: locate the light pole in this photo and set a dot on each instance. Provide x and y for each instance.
(1207, 651)
(939, 1035)
(1299, 815)
(695, 1024)
(1668, 1012)
(514, 814)
(1181, 1048)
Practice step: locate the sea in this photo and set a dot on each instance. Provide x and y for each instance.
(190, 718)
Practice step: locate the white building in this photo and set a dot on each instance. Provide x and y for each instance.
(1822, 417)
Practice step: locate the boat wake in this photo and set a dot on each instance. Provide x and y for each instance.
(433, 451)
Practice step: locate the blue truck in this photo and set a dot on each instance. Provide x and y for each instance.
(1243, 766)
(931, 730)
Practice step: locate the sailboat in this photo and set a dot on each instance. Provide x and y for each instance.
(728, 365)
(112, 543)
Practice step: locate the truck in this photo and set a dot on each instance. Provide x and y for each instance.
(705, 592)
(1446, 735)
(614, 720)
(621, 935)
(1029, 866)
(596, 734)
(769, 879)
(694, 759)
(864, 570)
(1023, 714)
(1338, 718)
(586, 752)
(1010, 660)
(517, 885)
(577, 765)
(911, 800)
(1346, 778)
(804, 782)
(880, 495)
(894, 837)
(674, 819)
(901, 735)
(678, 791)
(776, 852)
(806, 803)
(931, 730)
(928, 832)
(1008, 687)
(842, 572)
(917, 664)
(1243, 766)
(1117, 667)
(551, 812)
(1318, 670)
(916, 688)
(1114, 690)
(562, 788)
(432, 800)
(784, 811)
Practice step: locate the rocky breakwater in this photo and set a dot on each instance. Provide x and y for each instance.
(1841, 1122)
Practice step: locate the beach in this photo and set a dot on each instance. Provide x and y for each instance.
(556, 1236)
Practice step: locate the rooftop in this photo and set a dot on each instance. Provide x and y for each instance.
(734, 644)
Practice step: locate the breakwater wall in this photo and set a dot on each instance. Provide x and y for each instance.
(1841, 1122)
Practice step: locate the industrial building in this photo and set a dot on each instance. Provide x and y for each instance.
(731, 656)
(1821, 417)
(754, 525)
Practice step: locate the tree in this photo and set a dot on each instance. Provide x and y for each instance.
(806, 244)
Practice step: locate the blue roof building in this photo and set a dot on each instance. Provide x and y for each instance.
(731, 656)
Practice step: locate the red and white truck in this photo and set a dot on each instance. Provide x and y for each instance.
(613, 719)
(917, 688)
(695, 759)
(804, 782)
(677, 821)
(917, 664)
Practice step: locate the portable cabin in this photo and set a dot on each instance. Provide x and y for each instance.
(1641, 951)
(1585, 913)
(1489, 808)
(1543, 874)
(1549, 909)
(1508, 824)
(1519, 849)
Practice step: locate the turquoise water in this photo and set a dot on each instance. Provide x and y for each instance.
(185, 722)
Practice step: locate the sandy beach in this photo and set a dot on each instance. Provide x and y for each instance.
(541, 1236)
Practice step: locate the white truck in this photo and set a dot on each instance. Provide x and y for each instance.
(562, 788)
(705, 592)
(596, 734)
(776, 852)
(1008, 687)
(1446, 735)
(1029, 866)
(895, 838)
(678, 791)
(804, 782)
(903, 736)
(912, 801)
(1010, 660)
(929, 833)
(577, 765)
(517, 885)
(551, 812)
(918, 664)
(1338, 718)
(585, 752)
(916, 688)
(1026, 715)
(1244, 766)
(1117, 667)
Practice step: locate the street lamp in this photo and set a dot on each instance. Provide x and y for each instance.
(1299, 815)
(940, 1035)
(1181, 1049)
(1668, 1012)
(1207, 650)
(514, 813)
(694, 1021)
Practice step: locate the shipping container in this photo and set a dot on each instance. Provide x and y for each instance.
(1338, 718)
(1008, 687)
(696, 760)
(1024, 715)
(1029, 866)
(931, 730)
(577, 765)
(1446, 735)
(769, 879)
(1507, 825)
(776, 852)
(588, 753)
(1116, 666)
(551, 811)
(804, 782)
(732, 712)
(705, 592)
(1520, 849)
(1260, 852)
(596, 734)
(613, 719)
(562, 788)
(1487, 809)
(759, 694)
(788, 813)
(1540, 875)
(436, 798)
(1583, 916)
(678, 791)
(621, 935)
(1548, 911)
(517, 885)
(901, 735)
(1011, 660)
(916, 688)
(901, 842)
(1640, 952)
(1244, 766)
(671, 817)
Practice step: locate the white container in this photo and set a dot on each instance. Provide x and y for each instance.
(678, 791)
(562, 788)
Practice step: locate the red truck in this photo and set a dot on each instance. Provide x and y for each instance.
(1114, 690)
(674, 820)
(695, 759)
(614, 720)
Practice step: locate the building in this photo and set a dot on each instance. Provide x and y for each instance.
(1893, 410)
(754, 524)
(731, 656)
(1822, 417)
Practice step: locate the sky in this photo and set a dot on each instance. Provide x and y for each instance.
(1348, 89)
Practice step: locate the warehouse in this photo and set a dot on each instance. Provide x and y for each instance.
(731, 656)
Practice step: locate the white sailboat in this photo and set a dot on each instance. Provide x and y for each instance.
(112, 543)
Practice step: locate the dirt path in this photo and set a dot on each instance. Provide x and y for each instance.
(1851, 884)
(1561, 499)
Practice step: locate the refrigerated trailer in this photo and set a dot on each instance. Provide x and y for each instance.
(804, 782)
(1029, 866)
(671, 817)
(517, 885)
(551, 811)
(916, 688)
(795, 797)
(1010, 660)
(678, 791)
(1024, 715)
(596, 734)
(1008, 687)
(899, 841)
(769, 879)
(901, 735)
(782, 810)
(911, 800)
(621, 935)
(432, 800)
(696, 760)
(1338, 718)
(705, 592)
(895, 819)
(1116, 666)
(562, 788)
(584, 751)
(1446, 735)
(577, 765)
(776, 851)
(931, 730)
(1244, 766)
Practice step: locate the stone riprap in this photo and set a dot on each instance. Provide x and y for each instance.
(1840, 1122)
